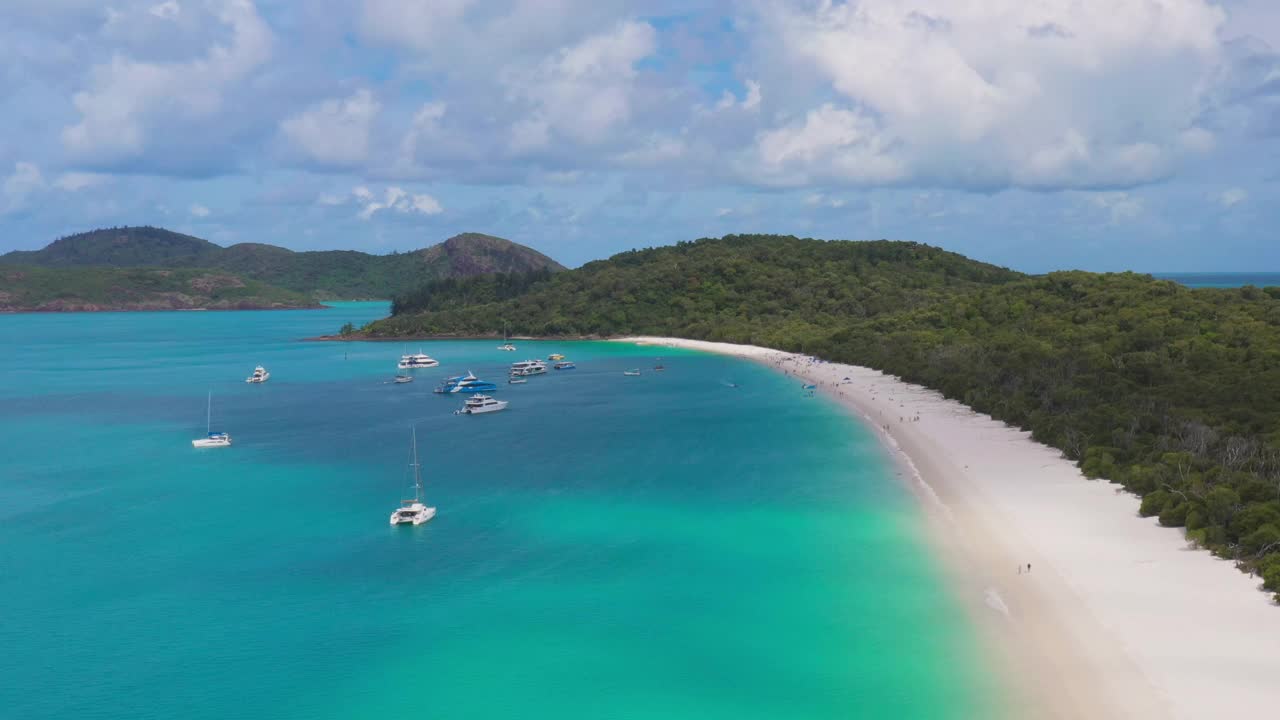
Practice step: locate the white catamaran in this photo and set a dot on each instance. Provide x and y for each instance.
(211, 439)
(413, 511)
(506, 339)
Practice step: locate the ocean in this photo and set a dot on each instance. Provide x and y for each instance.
(663, 546)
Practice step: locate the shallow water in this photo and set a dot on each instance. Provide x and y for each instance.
(662, 546)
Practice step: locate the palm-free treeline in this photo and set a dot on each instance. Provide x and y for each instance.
(1172, 392)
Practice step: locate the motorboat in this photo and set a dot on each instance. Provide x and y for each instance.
(403, 379)
(479, 404)
(528, 367)
(468, 383)
(507, 346)
(632, 373)
(418, 361)
(555, 356)
(260, 375)
(517, 380)
(658, 368)
(413, 511)
(211, 439)
(565, 365)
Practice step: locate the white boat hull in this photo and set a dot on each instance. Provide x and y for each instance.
(416, 366)
(417, 518)
(500, 405)
(261, 379)
(207, 443)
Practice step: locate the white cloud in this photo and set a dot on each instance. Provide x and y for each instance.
(25, 179)
(581, 92)
(76, 181)
(334, 132)
(983, 95)
(168, 9)
(393, 198)
(126, 97)
(199, 210)
(825, 201)
(1119, 206)
(1232, 197)
(829, 144)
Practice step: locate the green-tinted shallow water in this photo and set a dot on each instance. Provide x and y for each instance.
(610, 547)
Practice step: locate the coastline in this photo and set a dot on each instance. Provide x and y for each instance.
(1118, 618)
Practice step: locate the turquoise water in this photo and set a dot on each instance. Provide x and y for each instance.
(610, 547)
(1224, 280)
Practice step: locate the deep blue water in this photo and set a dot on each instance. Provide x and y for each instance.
(609, 547)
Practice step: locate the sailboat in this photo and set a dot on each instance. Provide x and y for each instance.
(506, 341)
(211, 438)
(413, 511)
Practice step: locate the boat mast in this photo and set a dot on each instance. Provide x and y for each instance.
(417, 469)
(208, 414)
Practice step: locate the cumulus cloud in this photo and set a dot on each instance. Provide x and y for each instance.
(1232, 197)
(198, 210)
(1046, 95)
(582, 91)
(169, 9)
(126, 98)
(394, 199)
(334, 132)
(25, 179)
(76, 181)
(1119, 206)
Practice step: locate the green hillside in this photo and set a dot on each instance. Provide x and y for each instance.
(756, 288)
(333, 274)
(1172, 392)
(29, 288)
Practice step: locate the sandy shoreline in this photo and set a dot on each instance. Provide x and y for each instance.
(1118, 617)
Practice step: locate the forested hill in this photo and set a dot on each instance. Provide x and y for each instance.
(334, 274)
(29, 288)
(1171, 391)
(745, 287)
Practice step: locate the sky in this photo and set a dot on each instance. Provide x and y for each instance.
(1040, 135)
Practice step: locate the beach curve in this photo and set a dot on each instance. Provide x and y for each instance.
(1086, 609)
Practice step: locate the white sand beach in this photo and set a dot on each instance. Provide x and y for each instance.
(1118, 617)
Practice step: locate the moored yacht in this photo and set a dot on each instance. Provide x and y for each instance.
(555, 356)
(478, 404)
(211, 439)
(632, 373)
(528, 367)
(260, 375)
(413, 511)
(506, 340)
(414, 362)
(468, 383)
(403, 379)
(565, 365)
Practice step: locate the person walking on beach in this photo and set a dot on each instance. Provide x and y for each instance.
(1028, 567)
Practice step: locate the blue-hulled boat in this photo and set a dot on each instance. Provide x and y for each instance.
(468, 383)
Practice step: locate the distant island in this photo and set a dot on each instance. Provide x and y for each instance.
(1172, 392)
(148, 268)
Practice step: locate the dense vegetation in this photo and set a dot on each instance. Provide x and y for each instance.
(91, 288)
(759, 288)
(1172, 392)
(331, 274)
